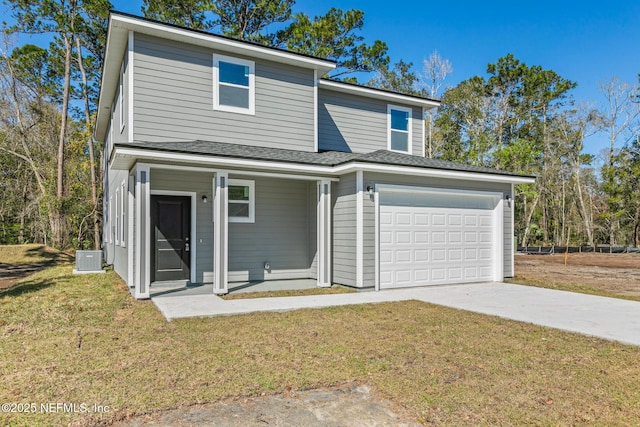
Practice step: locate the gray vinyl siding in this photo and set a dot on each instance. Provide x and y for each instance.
(280, 234)
(358, 124)
(344, 230)
(116, 254)
(173, 99)
(120, 134)
(201, 183)
(312, 189)
(456, 184)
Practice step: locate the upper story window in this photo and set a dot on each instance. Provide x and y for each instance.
(241, 200)
(233, 84)
(399, 129)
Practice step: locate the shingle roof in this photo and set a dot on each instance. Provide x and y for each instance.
(326, 158)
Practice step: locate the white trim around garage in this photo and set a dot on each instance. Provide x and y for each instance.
(497, 223)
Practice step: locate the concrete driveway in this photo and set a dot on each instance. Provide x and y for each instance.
(608, 318)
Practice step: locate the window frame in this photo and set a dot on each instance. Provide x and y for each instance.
(217, 58)
(110, 219)
(408, 132)
(123, 215)
(117, 218)
(251, 202)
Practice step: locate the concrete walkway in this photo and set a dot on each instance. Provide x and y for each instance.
(608, 318)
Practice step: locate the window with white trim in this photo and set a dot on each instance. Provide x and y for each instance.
(233, 84)
(117, 217)
(123, 212)
(399, 129)
(110, 219)
(241, 200)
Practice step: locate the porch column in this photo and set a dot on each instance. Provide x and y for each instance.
(324, 233)
(220, 234)
(142, 276)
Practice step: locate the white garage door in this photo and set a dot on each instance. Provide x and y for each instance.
(436, 238)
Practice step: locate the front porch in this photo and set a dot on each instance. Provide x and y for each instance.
(242, 231)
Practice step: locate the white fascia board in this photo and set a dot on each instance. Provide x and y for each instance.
(432, 173)
(209, 160)
(219, 43)
(378, 94)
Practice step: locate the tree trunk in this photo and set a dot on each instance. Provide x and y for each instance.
(92, 163)
(586, 217)
(527, 228)
(57, 216)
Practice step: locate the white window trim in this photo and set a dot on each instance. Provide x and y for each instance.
(110, 219)
(121, 97)
(216, 83)
(251, 202)
(117, 218)
(409, 133)
(123, 215)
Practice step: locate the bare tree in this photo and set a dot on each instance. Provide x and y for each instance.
(616, 118)
(434, 72)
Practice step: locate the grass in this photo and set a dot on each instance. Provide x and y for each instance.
(289, 293)
(82, 339)
(570, 287)
(30, 254)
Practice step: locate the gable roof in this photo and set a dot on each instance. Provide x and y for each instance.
(331, 162)
(375, 93)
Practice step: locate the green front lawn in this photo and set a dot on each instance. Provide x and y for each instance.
(83, 339)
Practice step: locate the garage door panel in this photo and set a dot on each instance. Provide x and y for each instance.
(421, 219)
(438, 220)
(421, 237)
(471, 237)
(438, 237)
(455, 273)
(421, 255)
(403, 256)
(429, 246)
(454, 237)
(455, 255)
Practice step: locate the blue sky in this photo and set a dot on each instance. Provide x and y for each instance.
(587, 42)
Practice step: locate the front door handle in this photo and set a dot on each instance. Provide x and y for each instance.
(186, 247)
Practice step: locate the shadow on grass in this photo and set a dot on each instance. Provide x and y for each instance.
(43, 258)
(51, 256)
(30, 286)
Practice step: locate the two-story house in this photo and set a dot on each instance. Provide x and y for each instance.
(227, 161)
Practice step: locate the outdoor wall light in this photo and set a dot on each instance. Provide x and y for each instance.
(204, 198)
(371, 194)
(507, 198)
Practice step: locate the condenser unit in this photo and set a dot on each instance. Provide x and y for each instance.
(88, 262)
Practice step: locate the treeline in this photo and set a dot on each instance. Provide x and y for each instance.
(518, 118)
(522, 119)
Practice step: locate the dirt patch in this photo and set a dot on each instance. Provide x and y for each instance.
(352, 405)
(10, 274)
(616, 273)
